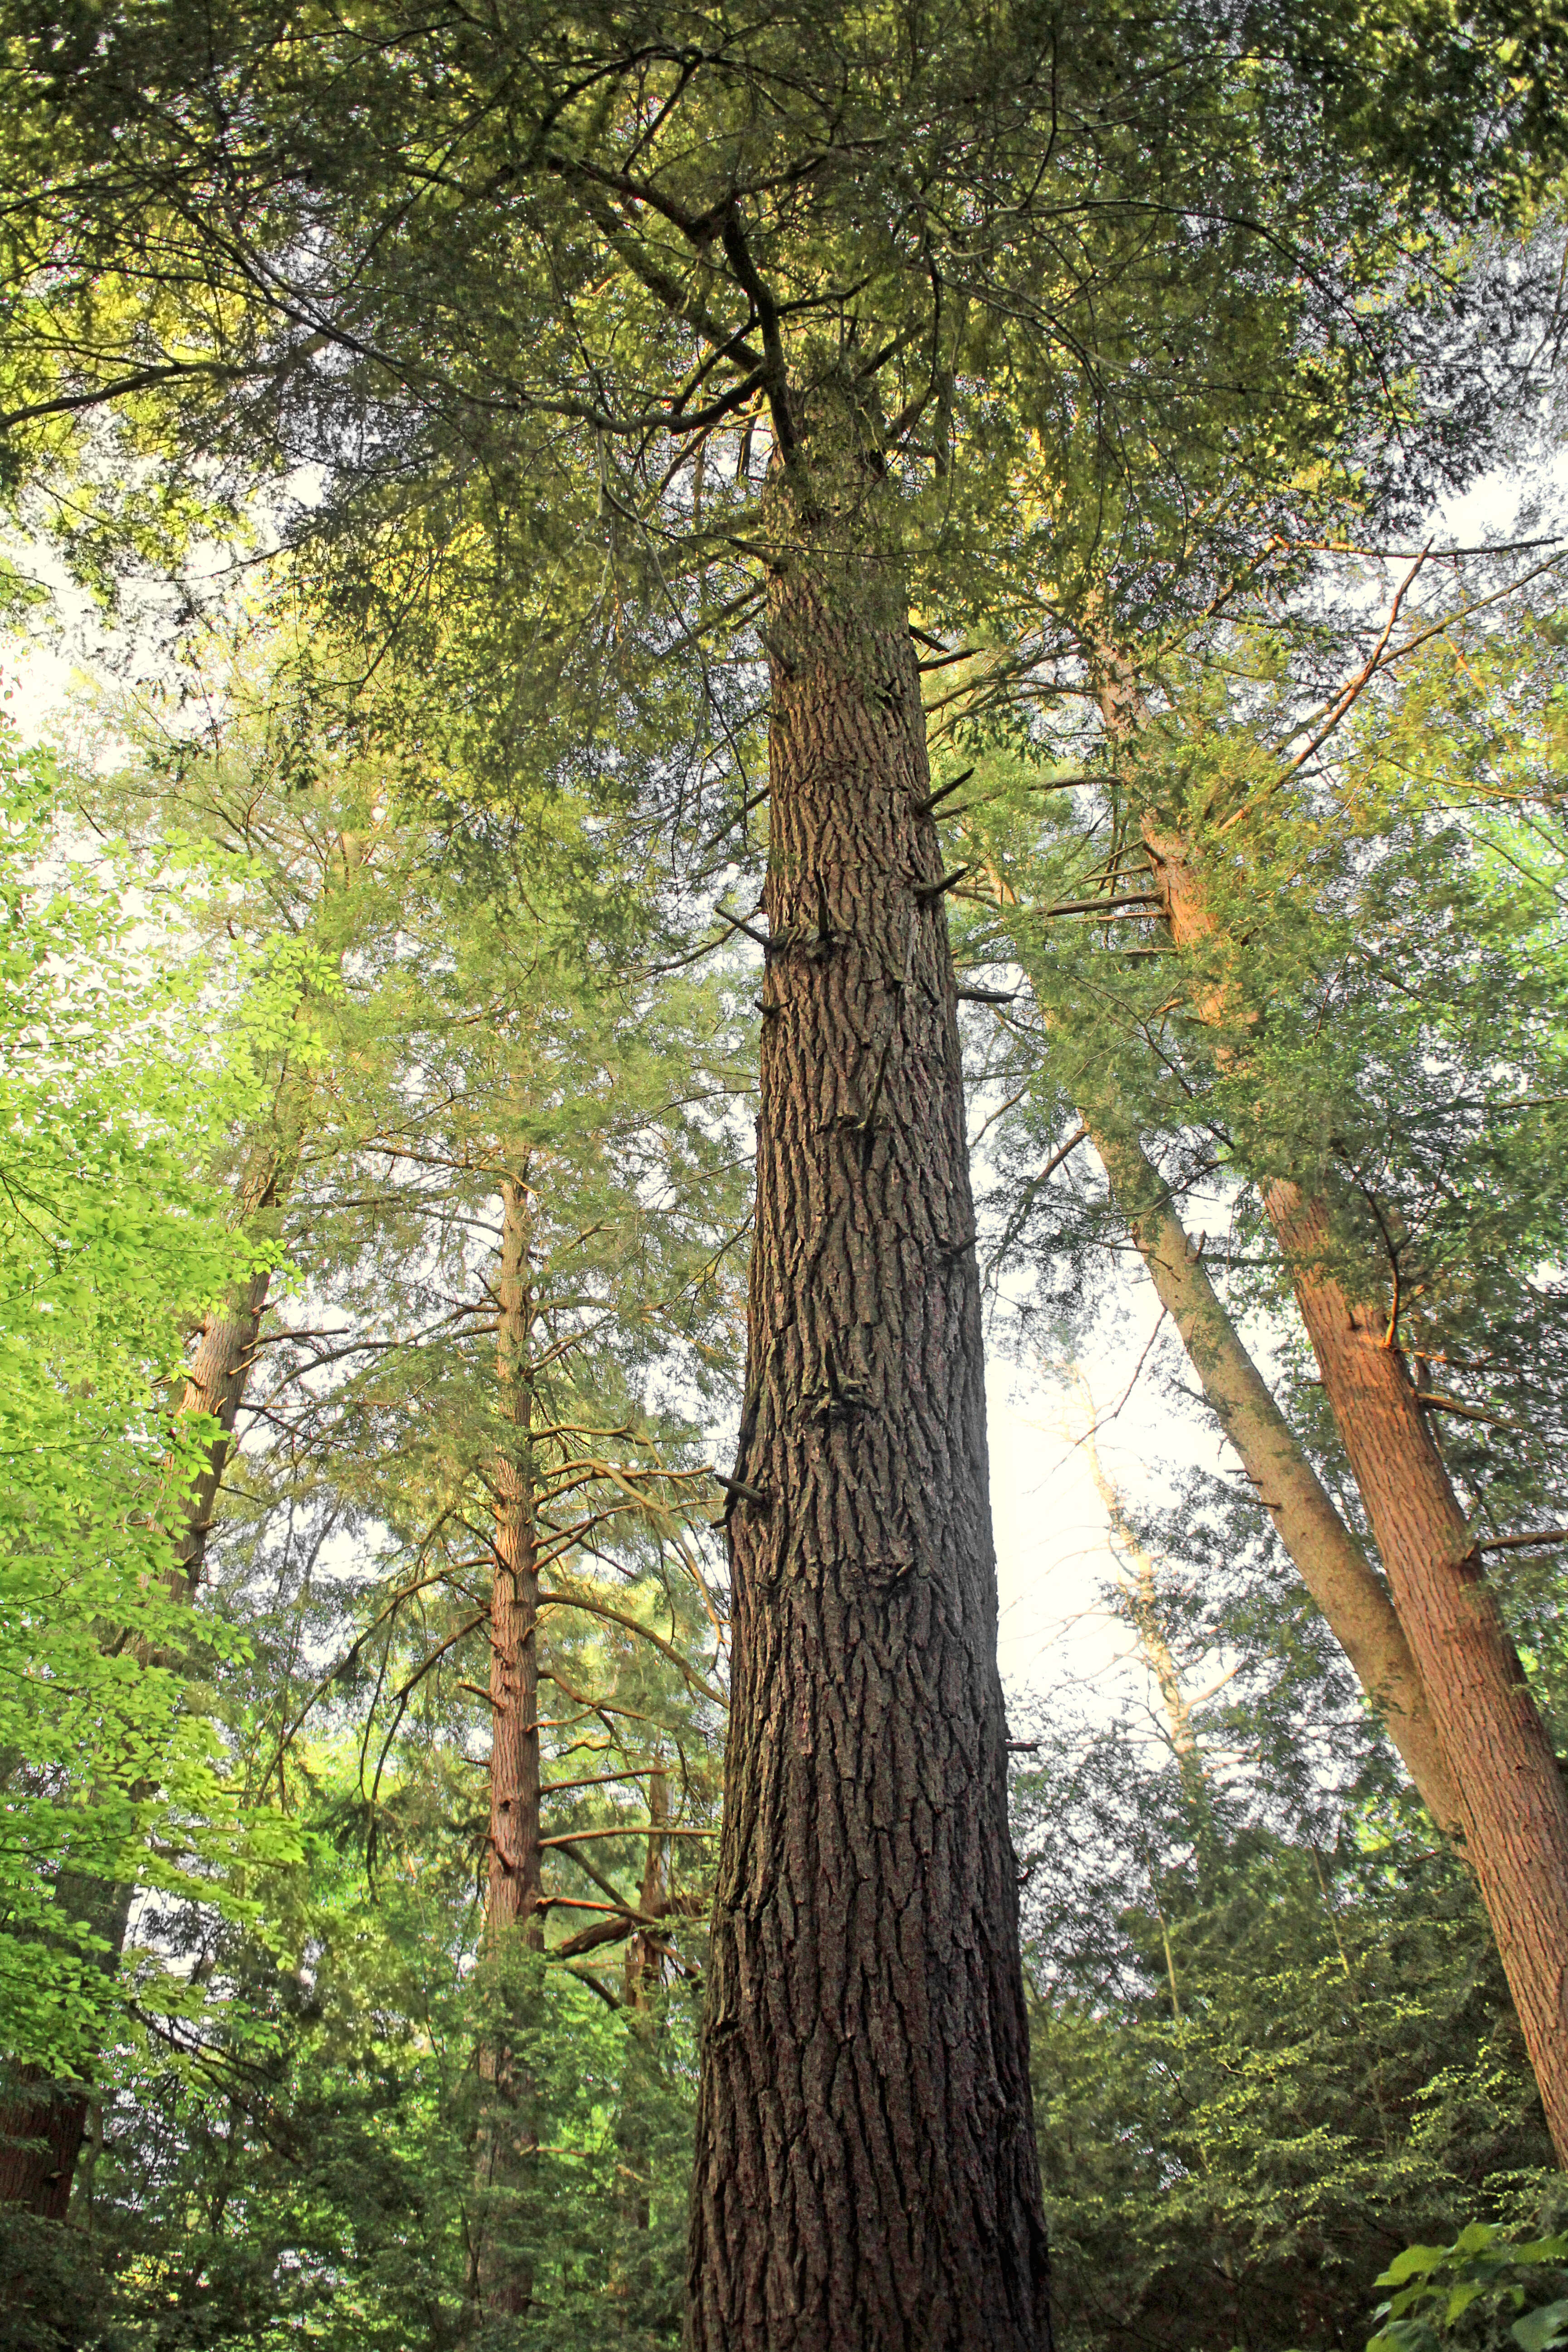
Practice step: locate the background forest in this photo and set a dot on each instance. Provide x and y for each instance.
(390, 951)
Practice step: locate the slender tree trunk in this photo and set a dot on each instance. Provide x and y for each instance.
(42, 2128)
(1326, 1555)
(515, 1879)
(643, 1968)
(1510, 1784)
(1141, 1587)
(866, 2174)
(642, 1976)
(216, 1384)
(513, 1921)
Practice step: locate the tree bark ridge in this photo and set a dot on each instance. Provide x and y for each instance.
(865, 2173)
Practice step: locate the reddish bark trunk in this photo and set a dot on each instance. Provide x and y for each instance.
(508, 2137)
(1510, 1779)
(516, 1880)
(1510, 1784)
(865, 2173)
(1326, 1555)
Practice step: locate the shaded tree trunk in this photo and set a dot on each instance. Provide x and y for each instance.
(42, 2128)
(1326, 1555)
(643, 1968)
(513, 1921)
(865, 2173)
(1142, 1591)
(1510, 1784)
(515, 1881)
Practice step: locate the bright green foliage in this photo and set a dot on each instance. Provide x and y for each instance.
(1486, 2289)
(500, 1016)
(111, 1242)
(480, 1001)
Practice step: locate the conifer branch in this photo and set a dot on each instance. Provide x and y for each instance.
(934, 800)
(929, 892)
(1099, 906)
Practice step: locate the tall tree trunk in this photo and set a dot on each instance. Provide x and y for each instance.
(515, 1880)
(1326, 1555)
(866, 2174)
(1510, 1779)
(1510, 1784)
(513, 1921)
(42, 2127)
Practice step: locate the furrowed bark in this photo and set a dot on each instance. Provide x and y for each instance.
(508, 2133)
(1510, 1784)
(41, 2132)
(866, 2174)
(1330, 1563)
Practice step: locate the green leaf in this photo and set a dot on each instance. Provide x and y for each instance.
(1413, 2263)
(1539, 2329)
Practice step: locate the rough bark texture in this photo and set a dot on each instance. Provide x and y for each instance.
(508, 2133)
(866, 2174)
(1327, 1557)
(1509, 1785)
